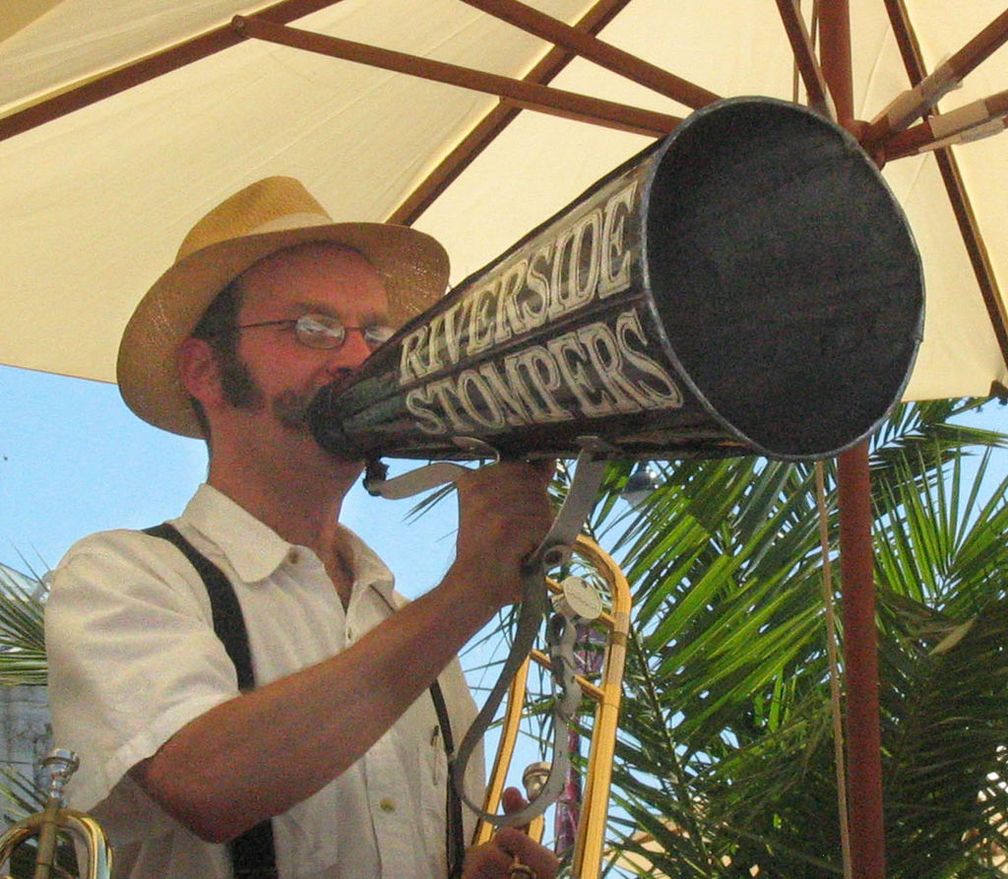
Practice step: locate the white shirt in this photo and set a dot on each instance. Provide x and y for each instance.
(133, 658)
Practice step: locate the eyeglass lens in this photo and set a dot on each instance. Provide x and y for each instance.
(327, 331)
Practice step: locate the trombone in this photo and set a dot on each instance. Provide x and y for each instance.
(88, 836)
(587, 857)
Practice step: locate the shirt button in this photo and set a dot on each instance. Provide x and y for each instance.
(293, 557)
(386, 804)
(350, 634)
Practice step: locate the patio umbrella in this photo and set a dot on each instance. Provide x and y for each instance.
(95, 199)
(123, 122)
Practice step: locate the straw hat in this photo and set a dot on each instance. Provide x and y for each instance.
(261, 219)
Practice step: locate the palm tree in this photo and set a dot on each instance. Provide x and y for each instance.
(23, 663)
(725, 755)
(22, 641)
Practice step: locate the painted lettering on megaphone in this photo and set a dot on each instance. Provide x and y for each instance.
(594, 369)
(600, 368)
(749, 284)
(585, 260)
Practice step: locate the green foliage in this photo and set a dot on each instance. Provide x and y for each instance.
(22, 640)
(23, 662)
(726, 753)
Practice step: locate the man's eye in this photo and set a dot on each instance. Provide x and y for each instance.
(319, 324)
(378, 335)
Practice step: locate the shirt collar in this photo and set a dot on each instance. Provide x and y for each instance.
(369, 569)
(255, 550)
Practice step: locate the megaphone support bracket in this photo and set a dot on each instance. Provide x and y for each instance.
(554, 550)
(377, 483)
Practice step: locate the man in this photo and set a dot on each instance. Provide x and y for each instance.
(338, 743)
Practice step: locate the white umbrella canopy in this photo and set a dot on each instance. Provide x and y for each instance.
(94, 203)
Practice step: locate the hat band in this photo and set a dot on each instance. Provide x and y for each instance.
(291, 221)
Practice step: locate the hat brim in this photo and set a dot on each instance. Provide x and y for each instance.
(413, 267)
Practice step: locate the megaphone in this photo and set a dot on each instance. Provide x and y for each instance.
(749, 284)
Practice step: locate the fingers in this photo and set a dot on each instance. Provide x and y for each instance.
(504, 514)
(516, 844)
(494, 859)
(507, 503)
(512, 800)
(545, 468)
(524, 475)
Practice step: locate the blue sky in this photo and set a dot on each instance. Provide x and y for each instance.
(74, 459)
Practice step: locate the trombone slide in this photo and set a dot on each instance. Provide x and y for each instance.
(588, 847)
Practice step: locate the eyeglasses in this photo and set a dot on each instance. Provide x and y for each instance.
(325, 331)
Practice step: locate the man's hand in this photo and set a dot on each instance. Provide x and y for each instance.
(504, 514)
(497, 858)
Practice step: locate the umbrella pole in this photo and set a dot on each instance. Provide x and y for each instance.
(864, 740)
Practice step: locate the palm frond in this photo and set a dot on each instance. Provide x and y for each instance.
(22, 638)
(726, 753)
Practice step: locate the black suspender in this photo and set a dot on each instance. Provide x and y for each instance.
(228, 622)
(252, 853)
(454, 832)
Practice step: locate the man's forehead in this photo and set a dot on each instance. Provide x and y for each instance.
(323, 277)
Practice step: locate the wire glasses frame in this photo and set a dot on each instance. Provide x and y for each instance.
(324, 330)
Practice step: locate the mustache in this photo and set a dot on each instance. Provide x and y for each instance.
(342, 374)
(292, 407)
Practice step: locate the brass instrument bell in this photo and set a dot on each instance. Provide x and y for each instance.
(91, 844)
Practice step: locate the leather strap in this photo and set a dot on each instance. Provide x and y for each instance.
(454, 832)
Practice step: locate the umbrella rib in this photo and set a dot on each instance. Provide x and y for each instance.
(97, 88)
(929, 89)
(971, 122)
(593, 49)
(557, 102)
(805, 58)
(981, 47)
(491, 125)
(976, 248)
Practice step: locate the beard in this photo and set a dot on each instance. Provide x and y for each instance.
(242, 391)
(239, 388)
(290, 408)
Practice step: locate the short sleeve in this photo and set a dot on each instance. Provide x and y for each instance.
(132, 655)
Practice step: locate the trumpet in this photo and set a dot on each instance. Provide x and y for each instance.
(89, 838)
(588, 847)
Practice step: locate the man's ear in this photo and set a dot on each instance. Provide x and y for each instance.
(198, 370)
